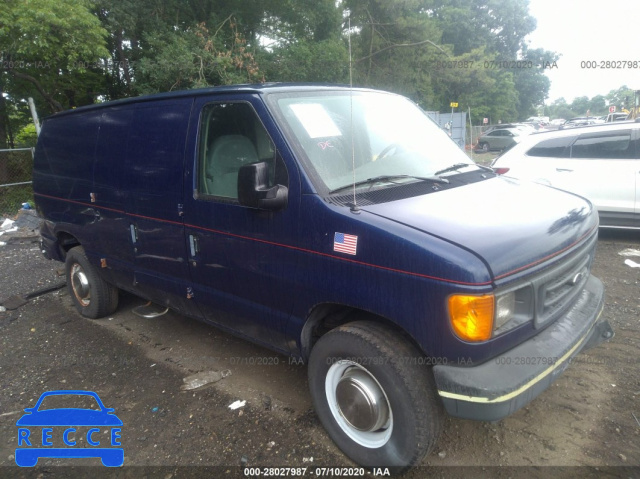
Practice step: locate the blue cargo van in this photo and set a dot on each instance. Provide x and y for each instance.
(340, 226)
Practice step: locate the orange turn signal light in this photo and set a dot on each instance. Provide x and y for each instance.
(472, 316)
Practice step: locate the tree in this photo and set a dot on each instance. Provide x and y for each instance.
(307, 61)
(176, 44)
(48, 47)
(303, 42)
(395, 45)
(530, 81)
(195, 58)
(402, 46)
(560, 109)
(580, 105)
(466, 80)
(499, 25)
(622, 97)
(598, 105)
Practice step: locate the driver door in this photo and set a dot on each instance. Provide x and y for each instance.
(242, 260)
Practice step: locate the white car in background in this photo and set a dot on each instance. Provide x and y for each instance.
(599, 162)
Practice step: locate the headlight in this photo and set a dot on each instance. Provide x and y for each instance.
(513, 308)
(505, 308)
(478, 318)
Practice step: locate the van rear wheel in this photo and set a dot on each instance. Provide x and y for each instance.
(92, 296)
(374, 395)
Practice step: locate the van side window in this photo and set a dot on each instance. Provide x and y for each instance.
(552, 148)
(610, 146)
(232, 135)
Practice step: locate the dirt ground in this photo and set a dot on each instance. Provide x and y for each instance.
(586, 424)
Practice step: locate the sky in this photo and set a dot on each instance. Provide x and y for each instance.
(588, 31)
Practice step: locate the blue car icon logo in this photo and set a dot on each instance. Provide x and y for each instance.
(69, 432)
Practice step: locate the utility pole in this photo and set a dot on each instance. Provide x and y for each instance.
(34, 114)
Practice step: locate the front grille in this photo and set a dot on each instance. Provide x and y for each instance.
(557, 289)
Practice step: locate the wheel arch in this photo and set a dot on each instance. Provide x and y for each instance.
(66, 241)
(325, 317)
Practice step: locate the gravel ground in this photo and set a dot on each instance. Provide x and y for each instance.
(586, 424)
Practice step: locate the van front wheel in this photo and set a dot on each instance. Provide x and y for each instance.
(92, 296)
(374, 395)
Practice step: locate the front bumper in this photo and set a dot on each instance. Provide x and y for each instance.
(499, 387)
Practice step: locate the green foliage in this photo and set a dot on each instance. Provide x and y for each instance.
(530, 82)
(195, 58)
(307, 61)
(394, 47)
(465, 79)
(599, 105)
(26, 137)
(61, 32)
(622, 97)
(11, 199)
(560, 109)
(75, 52)
(405, 46)
(15, 167)
(49, 48)
(499, 25)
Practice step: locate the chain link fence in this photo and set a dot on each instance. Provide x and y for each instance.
(15, 180)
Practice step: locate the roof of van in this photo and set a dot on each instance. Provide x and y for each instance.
(246, 88)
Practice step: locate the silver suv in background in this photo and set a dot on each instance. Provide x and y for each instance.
(599, 162)
(501, 139)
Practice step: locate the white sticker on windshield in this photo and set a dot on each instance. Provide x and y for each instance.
(315, 120)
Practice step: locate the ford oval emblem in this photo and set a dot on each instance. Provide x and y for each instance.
(577, 278)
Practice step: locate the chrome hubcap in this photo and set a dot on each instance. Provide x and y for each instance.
(359, 404)
(80, 285)
(361, 401)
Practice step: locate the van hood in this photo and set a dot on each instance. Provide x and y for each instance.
(508, 223)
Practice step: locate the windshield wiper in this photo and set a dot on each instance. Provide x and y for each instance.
(455, 167)
(390, 178)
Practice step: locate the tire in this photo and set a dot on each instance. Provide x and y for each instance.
(366, 356)
(484, 147)
(92, 296)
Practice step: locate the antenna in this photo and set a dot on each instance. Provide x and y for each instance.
(354, 207)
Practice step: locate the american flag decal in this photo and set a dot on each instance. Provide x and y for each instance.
(344, 243)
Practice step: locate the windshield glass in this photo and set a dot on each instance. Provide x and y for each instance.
(393, 140)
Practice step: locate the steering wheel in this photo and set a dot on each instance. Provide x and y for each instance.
(388, 149)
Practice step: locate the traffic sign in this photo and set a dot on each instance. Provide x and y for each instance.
(485, 121)
(453, 104)
(612, 109)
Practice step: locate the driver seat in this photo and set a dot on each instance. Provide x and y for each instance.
(227, 154)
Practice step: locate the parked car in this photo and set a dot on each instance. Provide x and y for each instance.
(600, 162)
(616, 117)
(500, 139)
(555, 124)
(582, 121)
(339, 226)
(536, 125)
(521, 126)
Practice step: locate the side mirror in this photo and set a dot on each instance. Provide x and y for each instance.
(253, 189)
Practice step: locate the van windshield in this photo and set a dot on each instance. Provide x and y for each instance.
(372, 139)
